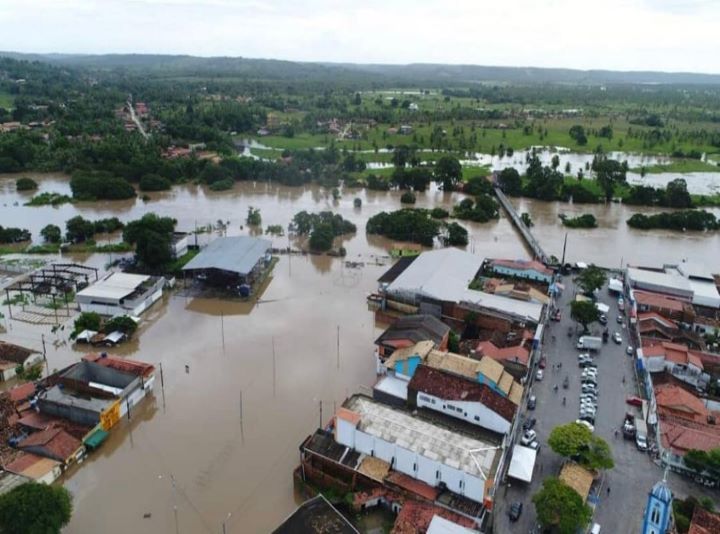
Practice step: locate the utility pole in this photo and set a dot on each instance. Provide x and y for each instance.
(222, 330)
(162, 385)
(338, 347)
(320, 414)
(273, 362)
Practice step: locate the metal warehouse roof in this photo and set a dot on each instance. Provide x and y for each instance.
(114, 286)
(237, 254)
(661, 280)
(445, 274)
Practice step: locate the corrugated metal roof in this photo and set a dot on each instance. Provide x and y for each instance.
(445, 274)
(237, 254)
(114, 286)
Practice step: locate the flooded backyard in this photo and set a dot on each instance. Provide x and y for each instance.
(227, 432)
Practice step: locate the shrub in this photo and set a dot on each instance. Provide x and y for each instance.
(439, 213)
(408, 197)
(100, 185)
(222, 185)
(25, 184)
(154, 182)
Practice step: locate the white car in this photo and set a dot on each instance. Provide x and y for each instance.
(587, 425)
(528, 437)
(617, 338)
(630, 350)
(584, 355)
(540, 374)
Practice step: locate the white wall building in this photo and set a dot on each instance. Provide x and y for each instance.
(419, 449)
(121, 294)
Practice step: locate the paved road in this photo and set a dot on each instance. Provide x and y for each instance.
(634, 473)
(135, 119)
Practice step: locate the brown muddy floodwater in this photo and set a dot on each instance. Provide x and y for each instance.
(231, 460)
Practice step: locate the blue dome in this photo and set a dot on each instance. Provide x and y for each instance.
(661, 492)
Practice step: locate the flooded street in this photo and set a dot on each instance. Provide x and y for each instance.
(228, 430)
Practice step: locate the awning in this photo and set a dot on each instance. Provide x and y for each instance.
(94, 440)
(114, 337)
(522, 463)
(85, 336)
(602, 308)
(615, 285)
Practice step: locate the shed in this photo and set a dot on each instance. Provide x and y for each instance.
(578, 478)
(522, 463)
(95, 439)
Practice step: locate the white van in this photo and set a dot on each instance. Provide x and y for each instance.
(595, 529)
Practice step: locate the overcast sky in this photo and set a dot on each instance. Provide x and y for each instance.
(667, 35)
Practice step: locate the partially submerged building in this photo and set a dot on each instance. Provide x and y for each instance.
(433, 454)
(97, 390)
(316, 516)
(121, 294)
(525, 269)
(55, 444)
(236, 263)
(407, 331)
(14, 356)
(438, 282)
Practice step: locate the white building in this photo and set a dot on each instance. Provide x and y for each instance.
(419, 449)
(475, 403)
(691, 281)
(121, 294)
(445, 274)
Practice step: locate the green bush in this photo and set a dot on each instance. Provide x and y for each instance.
(222, 185)
(408, 197)
(154, 182)
(583, 221)
(25, 184)
(100, 185)
(439, 213)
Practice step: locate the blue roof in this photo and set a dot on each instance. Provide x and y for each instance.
(662, 492)
(234, 254)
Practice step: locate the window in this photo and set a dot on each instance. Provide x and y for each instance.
(415, 467)
(477, 418)
(655, 517)
(437, 474)
(461, 484)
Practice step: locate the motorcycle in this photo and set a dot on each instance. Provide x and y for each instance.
(566, 382)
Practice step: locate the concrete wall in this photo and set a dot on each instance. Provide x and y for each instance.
(73, 413)
(472, 412)
(421, 467)
(529, 274)
(407, 368)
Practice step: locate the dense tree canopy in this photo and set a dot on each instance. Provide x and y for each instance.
(412, 225)
(584, 312)
(591, 279)
(34, 508)
(152, 237)
(448, 172)
(560, 507)
(576, 441)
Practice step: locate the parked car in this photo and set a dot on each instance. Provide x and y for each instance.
(529, 423)
(641, 442)
(590, 419)
(532, 402)
(557, 316)
(539, 375)
(589, 387)
(619, 319)
(528, 437)
(543, 363)
(584, 356)
(587, 364)
(634, 401)
(630, 350)
(587, 425)
(602, 318)
(617, 338)
(588, 411)
(515, 511)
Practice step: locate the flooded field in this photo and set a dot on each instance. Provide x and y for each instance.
(227, 431)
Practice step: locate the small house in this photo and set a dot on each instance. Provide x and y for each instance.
(14, 356)
(121, 294)
(36, 468)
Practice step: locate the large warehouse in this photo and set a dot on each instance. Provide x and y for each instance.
(121, 294)
(234, 263)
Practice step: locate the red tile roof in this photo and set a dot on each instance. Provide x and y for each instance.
(517, 353)
(675, 353)
(415, 517)
(454, 388)
(654, 316)
(418, 487)
(22, 462)
(126, 365)
(682, 435)
(674, 400)
(54, 443)
(523, 265)
(20, 393)
(656, 300)
(704, 522)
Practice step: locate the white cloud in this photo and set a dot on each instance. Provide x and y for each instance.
(670, 35)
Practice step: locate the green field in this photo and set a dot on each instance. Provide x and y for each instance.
(680, 165)
(6, 100)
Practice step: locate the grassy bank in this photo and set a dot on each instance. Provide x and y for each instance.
(679, 165)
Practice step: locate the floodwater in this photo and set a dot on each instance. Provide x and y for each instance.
(227, 431)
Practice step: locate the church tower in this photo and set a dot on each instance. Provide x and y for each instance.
(656, 519)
